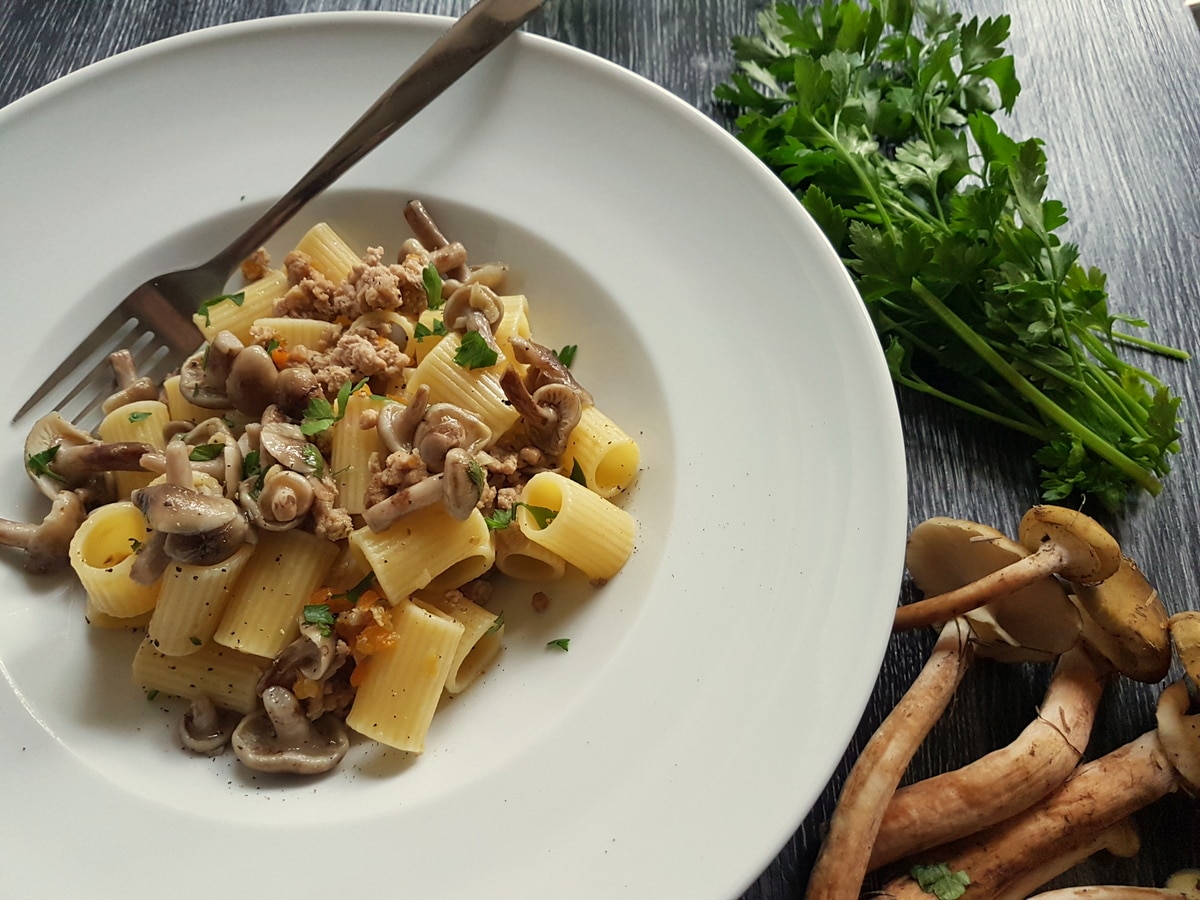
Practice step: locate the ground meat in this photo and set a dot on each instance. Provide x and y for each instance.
(256, 265)
(312, 295)
(358, 355)
(400, 470)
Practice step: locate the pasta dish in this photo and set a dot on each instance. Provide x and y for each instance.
(308, 517)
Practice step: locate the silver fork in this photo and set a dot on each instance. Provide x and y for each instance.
(155, 320)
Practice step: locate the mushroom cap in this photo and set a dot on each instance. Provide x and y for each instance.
(461, 489)
(1125, 620)
(195, 386)
(1185, 881)
(282, 501)
(1092, 554)
(175, 509)
(397, 423)
(282, 739)
(204, 728)
(1184, 628)
(51, 430)
(561, 410)
(1179, 735)
(1035, 623)
(47, 546)
(252, 380)
(208, 548)
(444, 427)
(287, 444)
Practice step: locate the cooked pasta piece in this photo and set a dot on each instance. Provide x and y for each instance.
(519, 557)
(142, 421)
(315, 334)
(587, 531)
(238, 311)
(262, 616)
(477, 391)
(514, 323)
(180, 408)
(191, 602)
(353, 446)
(228, 677)
(607, 456)
(402, 684)
(426, 549)
(103, 551)
(429, 324)
(482, 637)
(328, 253)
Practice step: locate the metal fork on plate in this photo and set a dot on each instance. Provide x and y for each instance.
(155, 320)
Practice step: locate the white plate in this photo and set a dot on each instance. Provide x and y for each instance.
(709, 690)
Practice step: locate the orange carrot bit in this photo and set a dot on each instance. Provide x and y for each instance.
(359, 674)
(280, 355)
(369, 598)
(373, 639)
(306, 688)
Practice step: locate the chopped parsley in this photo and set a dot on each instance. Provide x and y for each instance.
(474, 352)
(496, 625)
(39, 463)
(433, 286)
(566, 355)
(937, 879)
(577, 475)
(502, 518)
(195, 641)
(139, 416)
(319, 614)
(477, 475)
(252, 468)
(205, 452)
(237, 299)
(313, 459)
(355, 593)
(320, 414)
(422, 331)
(560, 643)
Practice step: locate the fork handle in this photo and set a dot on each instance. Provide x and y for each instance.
(475, 34)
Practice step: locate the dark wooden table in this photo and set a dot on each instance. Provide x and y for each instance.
(1112, 86)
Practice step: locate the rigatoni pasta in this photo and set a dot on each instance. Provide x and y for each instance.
(309, 519)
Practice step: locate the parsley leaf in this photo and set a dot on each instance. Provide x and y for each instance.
(422, 331)
(433, 286)
(937, 879)
(882, 117)
(497, 624)
(502, 518)
(577, 475)
(206, 307)
(39, 463)
(355, 593)
(139, 416)
(474, 352)
(313, 459)
(319, 614)
(320, 414)
(205, 452)
(566, 355)
(560, 643)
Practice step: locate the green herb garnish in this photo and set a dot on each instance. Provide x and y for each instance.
(566, 355)
(496, 625)
(577, 475)
(313, 459)
(433, 286)
(39, 463)
(139, 416)
(502, 518)
(320, 414)
(560, 643)
(474, 353)
(879, 115)
(236, 299)
(422, 331)
(319, 614)
(205, 452)
(937, 879)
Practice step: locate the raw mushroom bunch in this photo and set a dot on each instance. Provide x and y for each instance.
(1020, 816)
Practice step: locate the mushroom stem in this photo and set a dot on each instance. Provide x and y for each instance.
(842, 862)
(46, 545)
(1097, 796)
(1120, 839)
(1024, 572)
(1002, 783)
(1111, 892)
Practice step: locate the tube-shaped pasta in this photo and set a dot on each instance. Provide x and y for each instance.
(607, 456)
(191, 602)
(103, 551)
(257, 300)
(426, 549)
(477, 391)
(513, 323)
(97, 618)
(519, 557)
(262, 616)
(352, 449)
(431, 322)
(315, 334)
(402, 684)
(328, 253)
(228, 677)
(180, 408)
(142, 421)
(481, 641)
(587, 531)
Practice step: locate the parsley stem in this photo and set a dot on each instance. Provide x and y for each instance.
(1047, 407)
(1152, 347)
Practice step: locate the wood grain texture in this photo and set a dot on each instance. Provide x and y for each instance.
(1112, 86)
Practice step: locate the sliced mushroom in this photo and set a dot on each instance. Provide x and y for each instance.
(130, 386)
(205, 728)
(312, 655)
(282, 739)
(47, 544)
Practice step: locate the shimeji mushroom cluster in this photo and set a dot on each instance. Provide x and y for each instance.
(1008, 823)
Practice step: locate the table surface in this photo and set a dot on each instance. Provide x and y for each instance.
(1111, 87)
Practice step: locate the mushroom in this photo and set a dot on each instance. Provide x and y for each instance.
(444, 427)
(130, 387)
(285, 443)
(46, 545)
(1124, 618)
(397, 424)
(203, 376)
(281, 502)
(1098, 795)
(282, 739)
(547, 368)
(1062, 542)
(430, 235)
(316, 654)
(200, 529)
(252, 381)
(58, 455)
(842, 861)
(295, 387)
(550, 413)
(204, 728)
(458, 487)
(1185, 635)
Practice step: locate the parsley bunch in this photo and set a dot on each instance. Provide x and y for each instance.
(881, 118)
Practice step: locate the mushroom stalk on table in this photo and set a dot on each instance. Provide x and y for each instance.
(1098, 795)
(842, 862)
